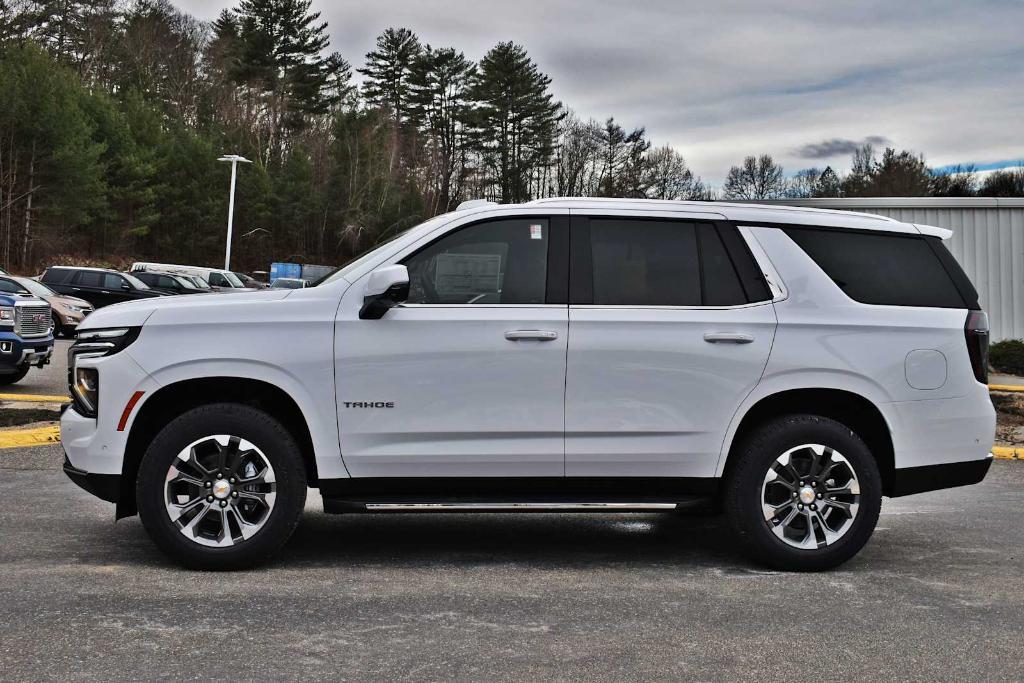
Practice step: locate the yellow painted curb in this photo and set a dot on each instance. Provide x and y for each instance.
(1008, 452)
(34, 398)
(1005, 387)
(37, 436)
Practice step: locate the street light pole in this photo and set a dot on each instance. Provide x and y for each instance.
(234, 159)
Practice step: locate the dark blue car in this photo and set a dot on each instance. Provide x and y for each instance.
(26, 335)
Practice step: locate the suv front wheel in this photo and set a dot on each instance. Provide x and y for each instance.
(805, 493)
(221, 487)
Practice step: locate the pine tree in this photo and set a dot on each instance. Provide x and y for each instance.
(828, 185)
(439, 106)
(515, 119)
(279, 58)
(623, 168)
(388, 70)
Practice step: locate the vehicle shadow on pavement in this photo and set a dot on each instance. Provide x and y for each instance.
(565, 540)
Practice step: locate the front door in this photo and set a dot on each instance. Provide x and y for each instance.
(467, 378)
(669, 331)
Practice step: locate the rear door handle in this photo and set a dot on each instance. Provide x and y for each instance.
(535, 335)
(728, 337)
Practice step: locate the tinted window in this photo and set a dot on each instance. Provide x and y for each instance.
(111, 281)
(720, 284)
(88, 278)
(217, 280)
(498, 262)
(57, 275)
(644, 263)
(881, 268)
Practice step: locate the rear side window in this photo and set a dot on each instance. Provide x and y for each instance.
(720, 282)
(643, 262)
(88, 278)
(217, 280)
(884, 268)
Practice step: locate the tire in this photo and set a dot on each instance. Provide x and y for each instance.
(14, 377)
(769, 505)
(197, 538)
(58, 327)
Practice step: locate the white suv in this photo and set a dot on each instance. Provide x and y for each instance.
(789, 366)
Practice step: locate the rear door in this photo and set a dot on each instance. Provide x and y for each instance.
(88, 285)
(670, 326)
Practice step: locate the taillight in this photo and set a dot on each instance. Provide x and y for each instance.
(976, 333)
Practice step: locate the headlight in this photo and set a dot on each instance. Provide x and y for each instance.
(84, 382)
(74, 309)
(6, 315)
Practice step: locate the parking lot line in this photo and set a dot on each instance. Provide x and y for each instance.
(37, 436)
(35, 398)
(1005, 387)
(1008, 452)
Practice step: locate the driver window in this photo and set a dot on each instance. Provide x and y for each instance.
(497, 262)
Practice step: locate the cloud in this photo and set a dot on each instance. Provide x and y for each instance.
(826, 149)
(721, 80)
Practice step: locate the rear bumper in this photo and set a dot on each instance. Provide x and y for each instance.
(910, 480)
(104, 486)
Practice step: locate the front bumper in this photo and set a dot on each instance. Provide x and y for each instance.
(104, 486)
(910, 480)
(16, 351)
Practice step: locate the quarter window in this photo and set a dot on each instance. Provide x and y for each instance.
(883, 267)
(497, 262)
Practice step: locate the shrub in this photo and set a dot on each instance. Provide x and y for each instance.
(1007, 356)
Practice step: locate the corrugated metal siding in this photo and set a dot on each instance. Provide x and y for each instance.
(989, 244)
(988, 241)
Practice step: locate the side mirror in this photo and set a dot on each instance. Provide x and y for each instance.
(386, 288)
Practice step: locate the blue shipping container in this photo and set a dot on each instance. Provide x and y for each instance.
(285, 270)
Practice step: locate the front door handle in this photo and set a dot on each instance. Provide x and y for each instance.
(728, 337)
(535, 335)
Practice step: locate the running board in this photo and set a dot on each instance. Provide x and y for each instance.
(335, 506)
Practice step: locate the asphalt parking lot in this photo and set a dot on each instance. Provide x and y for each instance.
(937, 594)
(50, 380)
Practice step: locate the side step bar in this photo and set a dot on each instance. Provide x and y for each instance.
(335, 506)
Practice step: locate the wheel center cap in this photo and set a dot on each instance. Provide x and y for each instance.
(221, 489)
(806, 494)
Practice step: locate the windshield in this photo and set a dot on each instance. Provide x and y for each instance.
(37, 288)
(287, 283)
(184, 281)
(355, 261)
(233, 279)
(135, 282)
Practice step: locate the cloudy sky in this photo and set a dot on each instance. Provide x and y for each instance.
(803, 81)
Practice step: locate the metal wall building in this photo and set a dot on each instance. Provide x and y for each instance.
(988, 241)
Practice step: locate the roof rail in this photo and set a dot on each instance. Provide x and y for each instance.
(473, 203)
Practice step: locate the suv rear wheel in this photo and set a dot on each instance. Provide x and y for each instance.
(221, 487)
(805, 494)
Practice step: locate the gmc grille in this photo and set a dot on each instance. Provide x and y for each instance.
(32, 321)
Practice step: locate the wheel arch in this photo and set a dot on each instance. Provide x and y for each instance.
(179, 397)
(849, 408)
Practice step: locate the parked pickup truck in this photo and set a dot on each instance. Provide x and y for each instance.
(26, 335)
